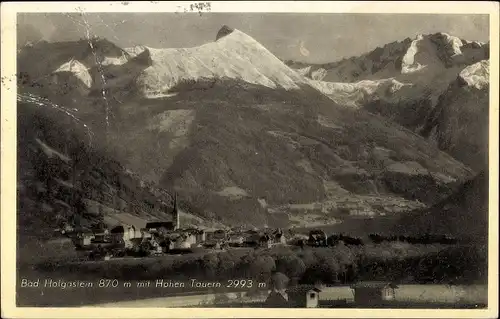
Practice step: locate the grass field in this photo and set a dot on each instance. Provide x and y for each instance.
(421, 293)
(407, 296)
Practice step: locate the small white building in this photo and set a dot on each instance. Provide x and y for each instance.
(125, 233)
(201, 236)
(304, 296)
(236, 239)
(184, 241)
(279, 237)
(84, 239)
(145, 233)
(265, 241)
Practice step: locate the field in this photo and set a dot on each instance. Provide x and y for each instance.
(422, 293)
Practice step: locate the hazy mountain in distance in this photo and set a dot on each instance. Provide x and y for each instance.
(406, 80)
(240, 136)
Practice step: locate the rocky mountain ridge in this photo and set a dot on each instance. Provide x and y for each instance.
(431, 52)
(407, 82)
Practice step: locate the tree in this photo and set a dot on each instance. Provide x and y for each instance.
(227, 264)
(291, 265)
(209, 263)
(279, 281)
(309, 258)
(262, 267)
(345, 259)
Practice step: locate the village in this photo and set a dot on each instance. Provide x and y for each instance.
(133, 237)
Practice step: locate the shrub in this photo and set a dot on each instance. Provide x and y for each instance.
(290, 265)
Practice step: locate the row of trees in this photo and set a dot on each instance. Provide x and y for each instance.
(348, 240)
(426, 239)
(339, 265)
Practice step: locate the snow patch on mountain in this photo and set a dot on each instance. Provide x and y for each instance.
(78, 70)
(304, 71)
(356, 94)
(319, 74)
(115, 60)
(476, 75)
(135, 50)
(420, 55)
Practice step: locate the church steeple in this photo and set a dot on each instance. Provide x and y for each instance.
(175, 214)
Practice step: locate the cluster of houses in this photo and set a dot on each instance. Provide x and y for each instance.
(162, 237)
(132, 234)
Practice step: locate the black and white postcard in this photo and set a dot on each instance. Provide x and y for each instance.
(189, 159)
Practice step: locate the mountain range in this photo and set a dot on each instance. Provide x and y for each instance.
(245, 138)
(412, 82)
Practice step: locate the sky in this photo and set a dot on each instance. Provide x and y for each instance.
(313, 38)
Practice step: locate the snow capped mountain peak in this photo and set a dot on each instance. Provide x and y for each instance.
(441, 50)
(78, 70)
(234, 55)
(411, 57)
